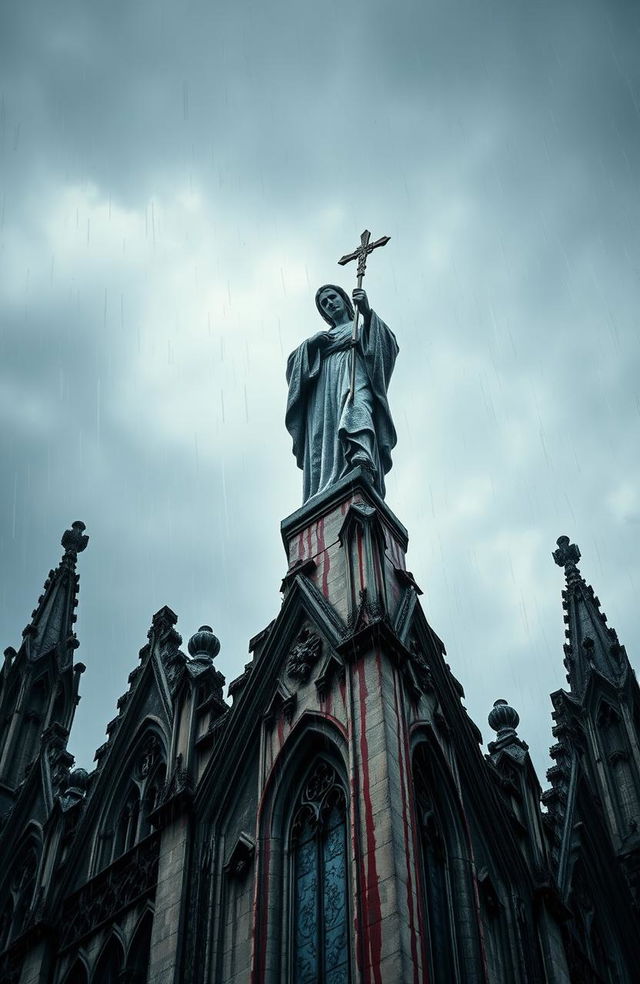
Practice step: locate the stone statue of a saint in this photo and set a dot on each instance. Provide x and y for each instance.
(331, 432)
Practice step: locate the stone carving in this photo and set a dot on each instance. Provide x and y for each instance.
(127, 880)
(368, 611)
(149, 756)
(75, 540)
(304, 655)
(567, 555)
(336, 426)
(421, 668)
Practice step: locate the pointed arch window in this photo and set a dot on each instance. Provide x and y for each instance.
(437, 878)
(77, 974)
(151, 799)
(621, 773)
(139, 952)
(127, 822)
(6, 920)
(110, 964)
(20, 891)
(447, 880)
(320, 911)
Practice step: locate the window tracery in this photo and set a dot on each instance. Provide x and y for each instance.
(320, 951)
(621, 773)
(447, 882)
(110, 964)
(77, 974)
(20, 895)
(128, 820)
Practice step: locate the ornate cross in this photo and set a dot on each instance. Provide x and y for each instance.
(567, 555)
(360, 254)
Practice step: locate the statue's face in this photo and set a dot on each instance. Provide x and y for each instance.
(333, 305)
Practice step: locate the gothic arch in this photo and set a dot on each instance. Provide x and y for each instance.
(620, 770)
(34, 714)
(139, 949)
(57, 712)
(135, 792)
(313, 742)
(449, 897)
(79, 973)
(19, 888)
(110, 963)
(311, 735)
(588, 928)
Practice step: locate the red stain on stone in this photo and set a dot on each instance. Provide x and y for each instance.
(324, 559)
(371, 890)
(360, 558)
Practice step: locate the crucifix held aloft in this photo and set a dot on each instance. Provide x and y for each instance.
(360, 254)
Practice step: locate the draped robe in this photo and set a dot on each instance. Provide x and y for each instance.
(330, 434)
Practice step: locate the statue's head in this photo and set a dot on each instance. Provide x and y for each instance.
(334, 304)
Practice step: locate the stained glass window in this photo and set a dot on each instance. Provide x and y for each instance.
(320, 909)
(437, 881)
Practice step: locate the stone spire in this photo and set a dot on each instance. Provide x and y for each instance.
(596, 732)
(38, 682)
(52, 620)
(591, 645)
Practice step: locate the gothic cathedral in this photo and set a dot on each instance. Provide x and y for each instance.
(334, 819)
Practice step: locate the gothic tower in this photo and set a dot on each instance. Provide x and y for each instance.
(39, 682)
(351, 829)
(594, 802)
(335, 821)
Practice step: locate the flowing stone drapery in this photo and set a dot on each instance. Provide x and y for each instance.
(331, 434)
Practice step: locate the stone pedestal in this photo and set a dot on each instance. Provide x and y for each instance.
(351, 546)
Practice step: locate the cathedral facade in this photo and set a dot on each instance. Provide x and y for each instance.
(333, 818)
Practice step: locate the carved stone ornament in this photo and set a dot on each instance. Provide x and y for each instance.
(304, 655)
(148, 756)
(241, 856)
(126, 881)
(420, 665)
(369, 610)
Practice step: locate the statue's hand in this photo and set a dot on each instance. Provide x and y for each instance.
(361, 301)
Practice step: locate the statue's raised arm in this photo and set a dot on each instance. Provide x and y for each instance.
(332, 432)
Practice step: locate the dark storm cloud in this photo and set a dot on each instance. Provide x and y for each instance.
(176, 178)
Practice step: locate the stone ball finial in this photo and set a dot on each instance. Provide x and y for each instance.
(503, 719)
(203, 644)
(74, 541)
(78, 781)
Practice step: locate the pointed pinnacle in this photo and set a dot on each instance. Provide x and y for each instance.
(567, 555)
(74, 541)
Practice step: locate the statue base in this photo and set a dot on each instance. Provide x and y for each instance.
(315, 540)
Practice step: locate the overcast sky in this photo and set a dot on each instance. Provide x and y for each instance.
(177, 179)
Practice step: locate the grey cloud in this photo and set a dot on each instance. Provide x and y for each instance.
(497, 144)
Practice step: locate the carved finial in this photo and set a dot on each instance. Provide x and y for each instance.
(567, 555)
(203, 644)
(74, 541)
(503, 719)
